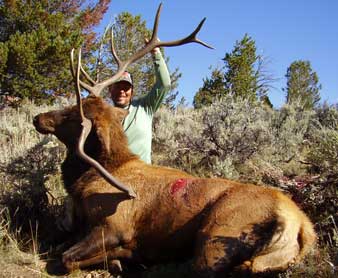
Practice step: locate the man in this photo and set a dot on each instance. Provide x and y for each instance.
(138, 123)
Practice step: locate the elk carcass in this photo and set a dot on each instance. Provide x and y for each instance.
(155, 214)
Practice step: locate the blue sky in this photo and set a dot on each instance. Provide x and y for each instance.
(284, 31)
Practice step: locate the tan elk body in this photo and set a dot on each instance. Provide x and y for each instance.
(220, 224)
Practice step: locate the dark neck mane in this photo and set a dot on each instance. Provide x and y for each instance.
(118, 154)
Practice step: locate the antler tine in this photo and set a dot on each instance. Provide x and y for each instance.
(77, 79)
(77, 84)
(81, 68)
(189, 39)
(72, 69)
(153, 42)
(99, 56)
(86, 75)
(155, 28)
(113, 51)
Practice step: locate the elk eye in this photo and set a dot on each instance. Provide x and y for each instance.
(49, 122)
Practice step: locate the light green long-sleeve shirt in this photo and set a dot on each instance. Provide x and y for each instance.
(138, 123)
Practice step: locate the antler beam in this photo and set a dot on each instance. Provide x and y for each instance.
(96, 88)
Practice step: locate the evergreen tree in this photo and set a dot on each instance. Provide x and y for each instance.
(244, 71)
(302, 84)
(243, 75)
(212, 88)
(266, 101)
(36, 38)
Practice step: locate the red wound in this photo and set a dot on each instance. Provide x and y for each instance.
(178, 185)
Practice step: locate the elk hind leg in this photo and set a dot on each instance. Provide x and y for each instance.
(230, 236)
(278, 255)
(218, 254)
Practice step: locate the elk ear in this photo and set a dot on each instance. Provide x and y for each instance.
(105, 127)
(103, 133)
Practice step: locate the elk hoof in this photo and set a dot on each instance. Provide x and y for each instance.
(69, 265)
(115, 266)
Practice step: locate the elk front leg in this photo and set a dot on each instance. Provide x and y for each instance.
(71, 216)
(108, 257)
(96, 247)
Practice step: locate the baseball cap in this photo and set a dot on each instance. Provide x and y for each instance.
(125, 77)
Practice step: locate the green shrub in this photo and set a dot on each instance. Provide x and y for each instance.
(327, 116)
(323, 152)
(177, 138)
(212, 141)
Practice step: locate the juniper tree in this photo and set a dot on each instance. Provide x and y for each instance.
(243, 75)
(302, 84)
(35, 41)
(212, 88)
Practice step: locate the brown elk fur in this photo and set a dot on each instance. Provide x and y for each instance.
(220, 223)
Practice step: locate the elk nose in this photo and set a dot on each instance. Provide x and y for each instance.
(35, 120)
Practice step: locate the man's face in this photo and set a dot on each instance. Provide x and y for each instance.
(121, 93)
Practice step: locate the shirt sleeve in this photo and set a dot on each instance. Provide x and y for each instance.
(154, 98)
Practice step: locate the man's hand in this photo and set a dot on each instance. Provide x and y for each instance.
(155, 50)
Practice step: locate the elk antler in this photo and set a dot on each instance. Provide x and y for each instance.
(96, 88)
(86, 128)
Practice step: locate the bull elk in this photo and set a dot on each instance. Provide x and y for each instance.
(154, 214)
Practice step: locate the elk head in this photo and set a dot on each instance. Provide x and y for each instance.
(78, 124)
